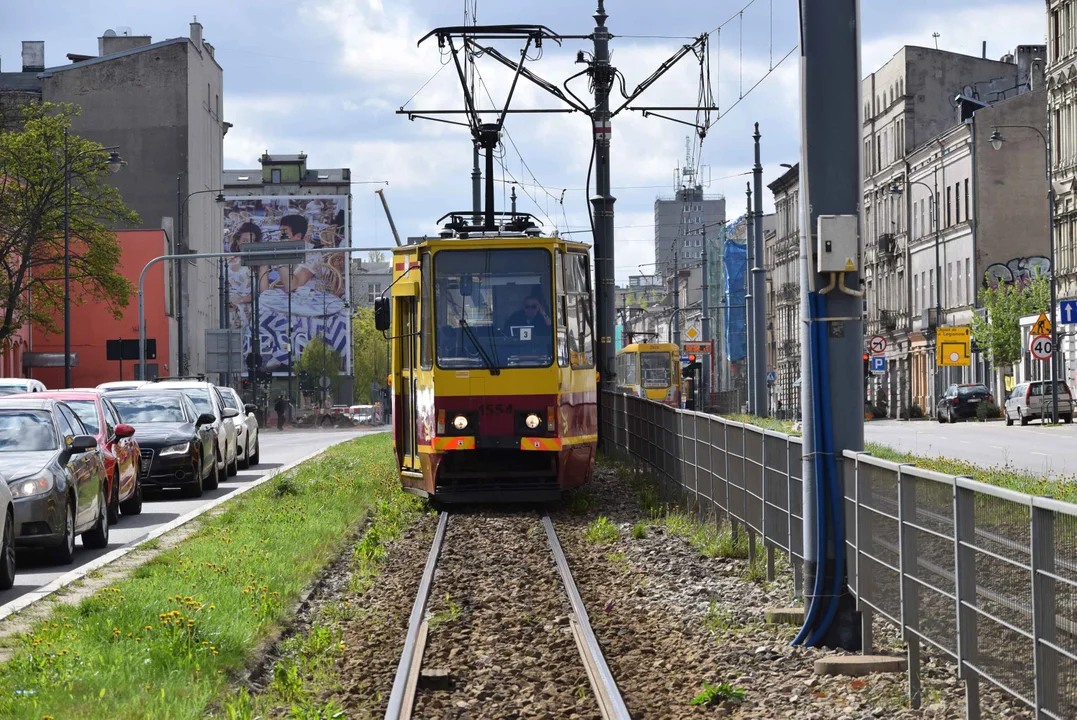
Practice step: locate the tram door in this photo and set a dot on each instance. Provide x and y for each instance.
(408, 352)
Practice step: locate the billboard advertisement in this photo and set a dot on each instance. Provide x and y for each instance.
(291, 304)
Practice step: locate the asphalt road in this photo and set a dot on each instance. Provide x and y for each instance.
(277, 449)
(1048, 451)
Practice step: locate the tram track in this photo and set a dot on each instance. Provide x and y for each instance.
(516, 640)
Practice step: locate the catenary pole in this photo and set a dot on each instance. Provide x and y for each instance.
(749, 305)
(602, 73)
(831, 184)
(705, 290)
(759, 292)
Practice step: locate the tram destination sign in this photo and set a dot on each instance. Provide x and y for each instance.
(697, 348)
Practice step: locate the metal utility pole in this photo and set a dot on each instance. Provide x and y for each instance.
(830, 185)
(389, 217)
(602, 75)
(759, 292)
(476, 186)
(180, 250)
(705, 290)
(674, 319)
(749, 305)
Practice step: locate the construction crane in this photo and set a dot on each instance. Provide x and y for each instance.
(389, 215)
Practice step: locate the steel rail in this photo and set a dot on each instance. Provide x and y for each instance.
(400, 698)
(609, 697)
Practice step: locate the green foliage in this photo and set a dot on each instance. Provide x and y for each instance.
(164, 642)
(32, 191)
(988, 411)
(375, 256)
(782, 426)
(369, 359)
(639, 530)
(318, 360)
(715, 694)
(998, 331)
(602, 531)
(912, 412)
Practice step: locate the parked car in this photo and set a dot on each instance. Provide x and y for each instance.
(56, 475)
(15, 386)
(7, 536)
(116, 441)
(177, 443)
(960, 402)
(117, 385)
(1032, 400)
(248, 448)
(207, 398)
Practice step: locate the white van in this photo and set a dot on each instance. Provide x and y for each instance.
(15, 386)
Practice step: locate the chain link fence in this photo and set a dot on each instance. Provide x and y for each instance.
(986, 575)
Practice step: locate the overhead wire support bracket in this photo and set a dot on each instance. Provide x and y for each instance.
(665, 67)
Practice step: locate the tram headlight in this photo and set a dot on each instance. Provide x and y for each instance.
(459, 422)
(533, 421)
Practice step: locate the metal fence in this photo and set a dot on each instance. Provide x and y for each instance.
(987, 576)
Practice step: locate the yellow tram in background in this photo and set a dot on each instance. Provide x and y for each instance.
(651, 371)
(493, 364)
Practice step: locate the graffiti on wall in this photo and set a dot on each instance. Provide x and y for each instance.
(1019, 271)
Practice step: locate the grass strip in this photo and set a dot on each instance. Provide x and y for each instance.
(165, 642)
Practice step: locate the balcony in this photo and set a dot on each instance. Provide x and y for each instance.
(887, 245)
(888, 320)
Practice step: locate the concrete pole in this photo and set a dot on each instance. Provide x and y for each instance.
(675, 319)
(67, 265)
(831, 184)
(605, 293)
(759, 291)
(749, 307)
(706, 305)
(181, 250)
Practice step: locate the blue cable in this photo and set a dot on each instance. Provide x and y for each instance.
(817, 340)
(833, 490)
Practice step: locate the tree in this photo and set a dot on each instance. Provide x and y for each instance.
(375, 256)
(32, 171)
(998, 330)
(319, 360)
(368, 355)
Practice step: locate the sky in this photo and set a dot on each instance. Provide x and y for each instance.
(326, 77)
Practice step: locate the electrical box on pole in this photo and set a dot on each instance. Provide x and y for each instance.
(838, 248)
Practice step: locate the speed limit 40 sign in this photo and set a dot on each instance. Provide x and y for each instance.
(1041, 347)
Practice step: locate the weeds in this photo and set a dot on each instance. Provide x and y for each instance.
(756, 571)
(152, 544)
(639, 530)
(601, 531)
(717, 619)
(716, 694)
(582, 501)
(451, 613)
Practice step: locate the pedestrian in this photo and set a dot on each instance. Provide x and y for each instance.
(282, 411)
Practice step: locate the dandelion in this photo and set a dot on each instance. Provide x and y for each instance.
(148, 627)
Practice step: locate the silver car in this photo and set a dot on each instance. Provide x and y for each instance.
(7, 536)
(247, 445)
(1032, 400)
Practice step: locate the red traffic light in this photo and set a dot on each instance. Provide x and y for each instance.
(691, 358)
(866, 357)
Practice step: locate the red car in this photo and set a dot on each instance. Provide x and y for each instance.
(121, 451)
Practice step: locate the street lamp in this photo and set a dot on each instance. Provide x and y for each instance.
(114, 162)
(180, 362)
(996, 142)
(897, 189)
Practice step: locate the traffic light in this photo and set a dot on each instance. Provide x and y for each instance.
(693, 366)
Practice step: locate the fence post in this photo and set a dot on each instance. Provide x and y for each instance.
(798, 565)
(1045, 663)
(965, 568)
(763, 495)
(860, 538)
(910, 595)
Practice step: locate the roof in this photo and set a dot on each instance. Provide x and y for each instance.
(75, 394)
(20, 82)
(49, 72)
(312, 176)
(142, 391)
(29, 403)
(786, 179)
(373, 268)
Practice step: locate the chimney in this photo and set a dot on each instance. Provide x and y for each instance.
(985, 50)
(196, 33)
(33, 55)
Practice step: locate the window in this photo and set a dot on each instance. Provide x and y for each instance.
(931, 282)
(968, 205)
(26, 431)
(274, 176)
(923, 217)
(970, 297)
(656, 369)
(426, 335)
(948, 207)
(491, 307)
(86, 411)
(957, 203)
(915, 226)
(960, 285)
(70, 425)
(373, 292)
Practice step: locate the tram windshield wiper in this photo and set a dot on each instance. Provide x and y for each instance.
(490, 364)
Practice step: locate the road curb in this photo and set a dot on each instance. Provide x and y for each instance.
(24, 601)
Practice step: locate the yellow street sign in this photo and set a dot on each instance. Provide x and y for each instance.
(691, 333)
(1042, 326)
(954, 347)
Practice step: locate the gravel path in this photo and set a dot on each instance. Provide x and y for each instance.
(501, 626)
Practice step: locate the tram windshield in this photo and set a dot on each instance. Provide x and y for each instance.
(493, 308)
(657, 369)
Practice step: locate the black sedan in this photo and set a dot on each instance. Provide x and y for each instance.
(56, 475)
(175, 440)
(960, 402)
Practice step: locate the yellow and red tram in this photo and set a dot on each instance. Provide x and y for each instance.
(493, 368)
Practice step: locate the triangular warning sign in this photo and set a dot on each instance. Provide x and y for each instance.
(1042, 326)
(849, 265)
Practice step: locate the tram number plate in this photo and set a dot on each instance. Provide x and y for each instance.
(495, 409)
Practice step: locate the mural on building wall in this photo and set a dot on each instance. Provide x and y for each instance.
(1017, 271)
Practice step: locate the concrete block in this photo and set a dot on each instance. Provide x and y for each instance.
(784, 616)
(435, 679)
(855, 665)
